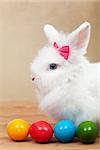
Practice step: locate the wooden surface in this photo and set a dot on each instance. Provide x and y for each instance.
(30, 112)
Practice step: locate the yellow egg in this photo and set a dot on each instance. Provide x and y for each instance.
(17, 129)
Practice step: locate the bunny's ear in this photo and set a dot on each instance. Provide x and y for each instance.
(79, 38)
(51, 33)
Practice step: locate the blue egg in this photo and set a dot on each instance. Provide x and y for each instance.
(65, 130)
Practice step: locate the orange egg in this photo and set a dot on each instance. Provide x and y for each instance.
(17, 129)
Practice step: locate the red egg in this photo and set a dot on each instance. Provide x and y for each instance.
(41, 131)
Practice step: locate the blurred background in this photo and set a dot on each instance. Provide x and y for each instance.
(21, 35)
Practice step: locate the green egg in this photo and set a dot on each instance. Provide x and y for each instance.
(87, 132)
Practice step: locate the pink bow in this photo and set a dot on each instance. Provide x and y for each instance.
(64, 51)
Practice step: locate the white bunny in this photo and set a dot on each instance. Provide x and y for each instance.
(67, 84)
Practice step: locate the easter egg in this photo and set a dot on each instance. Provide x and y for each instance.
(17, 129)
(87, 132)
(64, 131)
(41, 131)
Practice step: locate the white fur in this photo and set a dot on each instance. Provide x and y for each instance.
(72, 91)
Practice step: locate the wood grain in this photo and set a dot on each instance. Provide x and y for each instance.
(30, 112)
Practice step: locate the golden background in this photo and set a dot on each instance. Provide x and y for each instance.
(21, 35)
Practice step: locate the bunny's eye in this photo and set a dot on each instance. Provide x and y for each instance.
(53, 66)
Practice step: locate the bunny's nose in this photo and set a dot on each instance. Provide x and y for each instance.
(33, 78)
